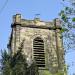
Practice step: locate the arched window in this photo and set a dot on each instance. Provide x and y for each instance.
(38, 51)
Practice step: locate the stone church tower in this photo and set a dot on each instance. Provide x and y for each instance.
(42, 42)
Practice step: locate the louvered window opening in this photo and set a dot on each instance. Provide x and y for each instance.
(39, 55)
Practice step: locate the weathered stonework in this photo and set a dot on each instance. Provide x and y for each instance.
(49, 32)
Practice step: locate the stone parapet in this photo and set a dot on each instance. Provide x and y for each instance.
(36, 22)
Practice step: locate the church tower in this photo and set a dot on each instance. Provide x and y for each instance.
(42, 42)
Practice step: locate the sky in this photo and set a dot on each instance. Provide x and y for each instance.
(48, 10)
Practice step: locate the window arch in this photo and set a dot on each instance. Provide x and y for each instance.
(38, 51)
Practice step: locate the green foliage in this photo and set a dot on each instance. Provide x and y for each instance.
(64, 17)
(73, 19)
(6, 68)
(63, 30)
(47, 72)
(59, 73)
(33, 69)
(73, 26)
(19, 64)
(67, 15)
(66, 8)
(14, 65)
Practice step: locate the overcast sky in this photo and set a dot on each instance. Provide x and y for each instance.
(48, 10)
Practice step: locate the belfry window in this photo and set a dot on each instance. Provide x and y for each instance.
(38, 51)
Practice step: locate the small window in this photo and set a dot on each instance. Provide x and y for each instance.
(39, 54)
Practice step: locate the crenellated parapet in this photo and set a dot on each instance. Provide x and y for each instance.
(36, 23)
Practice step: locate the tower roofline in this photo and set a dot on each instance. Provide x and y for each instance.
(36, 22)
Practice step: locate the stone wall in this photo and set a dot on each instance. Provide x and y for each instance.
(49, 32)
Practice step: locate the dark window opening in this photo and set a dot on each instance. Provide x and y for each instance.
(39, 54)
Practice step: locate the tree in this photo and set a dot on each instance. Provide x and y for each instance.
(33, 69)
(14, 65)
(67, 15)
(19, 63)
(6, 68)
